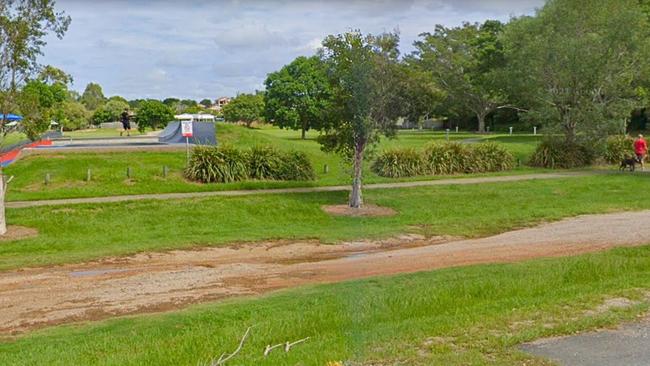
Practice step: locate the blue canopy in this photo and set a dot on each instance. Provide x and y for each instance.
(11, 117)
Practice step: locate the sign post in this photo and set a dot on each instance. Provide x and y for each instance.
(187, 132)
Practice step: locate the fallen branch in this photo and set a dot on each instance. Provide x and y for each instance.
(223, 358)
(288, 345)
(270, 348)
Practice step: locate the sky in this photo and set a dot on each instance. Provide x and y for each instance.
(208, 49)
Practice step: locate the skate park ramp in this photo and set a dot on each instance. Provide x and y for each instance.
(203, 134)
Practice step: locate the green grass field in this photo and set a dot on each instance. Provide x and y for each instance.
(68, 170)
(84, 232)
(463, 316)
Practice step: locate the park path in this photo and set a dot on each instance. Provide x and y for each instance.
(187, 195)
(32, 298)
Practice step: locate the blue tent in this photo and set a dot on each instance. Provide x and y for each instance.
(11, 117)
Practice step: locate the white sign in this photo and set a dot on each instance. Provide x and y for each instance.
(186, 128)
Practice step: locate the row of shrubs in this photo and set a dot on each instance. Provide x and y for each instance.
(224, 164)
(559, 153)
(443, 158)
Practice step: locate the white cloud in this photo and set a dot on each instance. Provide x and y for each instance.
(197, 49)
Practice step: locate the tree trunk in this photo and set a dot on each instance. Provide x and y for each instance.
(303, 132)
(355, 196)
(3, 221)
(481, 122)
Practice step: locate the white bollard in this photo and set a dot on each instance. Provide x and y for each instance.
(447, 134)
(535, 130)
(456, 129)
(511, 130)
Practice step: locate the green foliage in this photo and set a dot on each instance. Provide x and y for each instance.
(296, 166)
(92, 97)
(444, 158)
(561, 153)
(618, 147)
(206, 103)
(297, 96)
(246, 108)
(467, 63)
(38, 103)
(111, 111)
(153, 113)
(217, 165)
(398, 163)
(575, 67)
(227, 164)
(72, 115)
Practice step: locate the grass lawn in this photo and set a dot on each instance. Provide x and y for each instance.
(462, 316)
(68, 170)
(12, 138)
(84, 232)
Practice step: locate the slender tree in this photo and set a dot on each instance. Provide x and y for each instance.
(24, 24)
(366, 101)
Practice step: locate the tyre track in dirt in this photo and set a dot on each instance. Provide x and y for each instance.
(150, 282)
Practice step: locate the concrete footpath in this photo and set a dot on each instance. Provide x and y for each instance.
(628, 345)
(173, 196)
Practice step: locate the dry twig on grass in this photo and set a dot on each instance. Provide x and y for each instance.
(287, 346)
(225, 357)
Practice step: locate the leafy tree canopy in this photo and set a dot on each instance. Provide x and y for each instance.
(92, 97)
(246, 108)
(153, 113)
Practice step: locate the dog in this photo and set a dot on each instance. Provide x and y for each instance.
(628, 163)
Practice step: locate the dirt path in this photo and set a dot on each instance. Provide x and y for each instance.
(170, 196)
(33, 298)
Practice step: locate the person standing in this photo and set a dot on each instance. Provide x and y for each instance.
(640, 149)
(126, 122)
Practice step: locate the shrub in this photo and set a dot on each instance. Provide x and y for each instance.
(264, 162)
(489, 157)
(217, 164)
(618, 148)
(209, 164)
(296, 166)
(397, 163)
(559, 153)
(447, 158)
(444, 158)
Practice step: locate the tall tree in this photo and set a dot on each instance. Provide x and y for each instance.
(297, 95)
(580, 70)
(24, 24)
(38, 103)
(206, 103)
(364, 77)
(153, 113)
(93, 96)
(468, 64)
(246, 108)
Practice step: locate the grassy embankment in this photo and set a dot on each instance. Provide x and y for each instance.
(68, 170)
(90, 231)
(462, 316)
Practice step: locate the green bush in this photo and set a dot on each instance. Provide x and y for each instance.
(489, 157)
(447, 158)
(397, 163)
(618, 148)
(265, 162)
(559, 153)
(296, 166)
(211, 164)
(444, 158)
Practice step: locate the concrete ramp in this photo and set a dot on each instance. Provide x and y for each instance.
(204, 133)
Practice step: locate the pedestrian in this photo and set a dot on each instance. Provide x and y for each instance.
(126, 123)
(640, 149)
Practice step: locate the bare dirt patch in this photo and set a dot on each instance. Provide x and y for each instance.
(364, 211)
(147, 282)
(15, 232)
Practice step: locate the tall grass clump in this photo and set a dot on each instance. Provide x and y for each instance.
(211, 164)
(489, 157)
(618, 148)
(398, 163)
(442, 159)
(559, 153)
(226, 164)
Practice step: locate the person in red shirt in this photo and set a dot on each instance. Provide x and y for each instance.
(640, 149)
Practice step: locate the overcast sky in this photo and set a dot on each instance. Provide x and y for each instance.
(207, 49)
